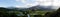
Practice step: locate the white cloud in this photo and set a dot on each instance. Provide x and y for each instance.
(40, 2)
(27, 4)
(45, 2)
(49, 2)
(55, 7)
(31, 4)
(18, 6)
(56, 3)
(23, 1)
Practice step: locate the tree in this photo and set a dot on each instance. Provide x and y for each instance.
(53, 14)
(3, 13)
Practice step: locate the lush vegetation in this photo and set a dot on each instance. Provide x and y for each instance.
(4, 12)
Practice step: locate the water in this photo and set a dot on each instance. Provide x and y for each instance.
(28, 15)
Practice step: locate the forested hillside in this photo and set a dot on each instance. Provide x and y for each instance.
(4, 12)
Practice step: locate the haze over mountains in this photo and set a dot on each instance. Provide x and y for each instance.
(38, 7)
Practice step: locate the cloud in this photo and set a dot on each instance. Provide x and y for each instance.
(54, 3)
(49, 2)
(36, 2)
(18, 6)
(55, 7)
(27, 4)
(31, 4)
(24, 1)
(45, 2)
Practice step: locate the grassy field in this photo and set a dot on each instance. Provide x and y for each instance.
(42, 13)
(38, 13)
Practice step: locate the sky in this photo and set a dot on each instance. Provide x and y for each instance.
(29, 3)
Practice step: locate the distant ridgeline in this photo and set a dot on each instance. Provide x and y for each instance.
(3, 9)
(7, 9)
(38, 7)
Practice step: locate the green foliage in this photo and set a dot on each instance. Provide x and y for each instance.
(6, 13)
(53, 14)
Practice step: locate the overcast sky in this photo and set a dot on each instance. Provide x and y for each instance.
(29, 3)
